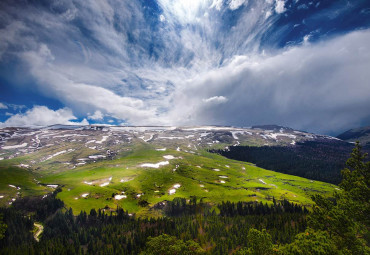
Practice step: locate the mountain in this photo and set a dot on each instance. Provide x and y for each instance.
(361, 134)
(140, 168)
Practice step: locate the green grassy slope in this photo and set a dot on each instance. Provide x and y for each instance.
(195, 172)
(16, 182)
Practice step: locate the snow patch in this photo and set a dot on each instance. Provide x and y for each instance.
(85, 195)
(96, 156)
(10, 147)
(174, 188)
(57, 154)
(262, 181)
(171, 137)
(119, 197)
(163, 149)
(168, 157)
(106, 183)
(102, 140)
(157, 165)
(234, 133)
(147, 140)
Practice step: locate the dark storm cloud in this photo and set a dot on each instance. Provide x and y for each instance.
(322, 88)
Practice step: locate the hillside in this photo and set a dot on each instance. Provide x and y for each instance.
(138, 168)
(361, 134)
(320, 160)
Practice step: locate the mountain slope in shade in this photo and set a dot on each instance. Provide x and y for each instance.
(361, 134)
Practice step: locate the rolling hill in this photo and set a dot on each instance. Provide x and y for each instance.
(137, 168)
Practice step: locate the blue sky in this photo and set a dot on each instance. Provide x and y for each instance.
(303, 64)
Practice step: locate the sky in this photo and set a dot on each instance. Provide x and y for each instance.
(296, 63)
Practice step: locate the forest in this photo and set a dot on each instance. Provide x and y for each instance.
(336, 225)
(316, 160)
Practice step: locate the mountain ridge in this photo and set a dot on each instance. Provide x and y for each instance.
(361, 134)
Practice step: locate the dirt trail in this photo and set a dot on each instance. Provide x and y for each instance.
(40, 228)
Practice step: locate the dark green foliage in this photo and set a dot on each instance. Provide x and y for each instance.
(318, 160)
(39, 206)
(3, 227)
(18, 231)
(100, 232)
(255, 208)
(142, 202)
(179, 206)
(346, 219)
(259, 242)
(170, 245)
(311, 243)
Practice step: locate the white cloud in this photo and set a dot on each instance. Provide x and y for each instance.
(98, 115)
(304, 87)
(42, 116)
(215, 100)
(235, 4)
(184, 11)
(268, 14)
(82, 96)
(162, 18)
(217, 4)
(306, 39)
(3, 106)
(279, 7)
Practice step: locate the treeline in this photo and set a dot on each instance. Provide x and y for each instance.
(316, 160)
(101, 232)
(232, 209)
(179, 206)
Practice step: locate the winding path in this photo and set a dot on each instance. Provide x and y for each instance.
(40, 228)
